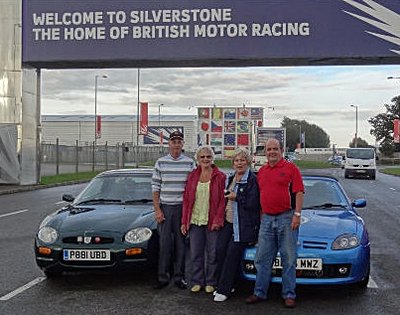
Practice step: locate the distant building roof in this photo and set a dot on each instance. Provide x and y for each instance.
(116, 117)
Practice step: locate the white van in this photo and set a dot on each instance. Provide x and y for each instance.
(259, 158)
(360, 162)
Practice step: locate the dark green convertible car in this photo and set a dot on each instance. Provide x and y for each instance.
(109, 225)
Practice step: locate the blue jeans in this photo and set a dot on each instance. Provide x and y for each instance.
(276, 235)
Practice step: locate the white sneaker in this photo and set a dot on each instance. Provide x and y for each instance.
(218, 297)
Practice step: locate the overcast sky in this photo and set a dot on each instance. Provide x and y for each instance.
(319, 95)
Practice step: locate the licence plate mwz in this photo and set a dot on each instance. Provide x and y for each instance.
(302, 263)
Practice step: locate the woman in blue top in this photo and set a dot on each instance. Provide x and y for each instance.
(242, 221)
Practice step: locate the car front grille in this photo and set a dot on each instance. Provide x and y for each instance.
(75, 240)
(314, 245)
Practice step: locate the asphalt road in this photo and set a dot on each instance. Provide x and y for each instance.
(25, 290)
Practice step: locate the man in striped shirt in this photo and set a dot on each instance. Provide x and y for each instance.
(168, 184)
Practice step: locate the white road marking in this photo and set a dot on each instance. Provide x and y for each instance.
(372, 284)
(392, 188)
(60, 202)
(22, 289)
(12, 213)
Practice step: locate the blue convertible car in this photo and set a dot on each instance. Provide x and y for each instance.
(333, 244)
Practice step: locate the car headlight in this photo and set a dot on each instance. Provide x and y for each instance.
(138, 235)
(346, 241)
(48, 235)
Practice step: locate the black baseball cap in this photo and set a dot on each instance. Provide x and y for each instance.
(176, 135)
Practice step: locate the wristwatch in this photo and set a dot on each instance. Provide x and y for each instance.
(297, 214)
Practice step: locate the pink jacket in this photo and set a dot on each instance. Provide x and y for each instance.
(216, 214)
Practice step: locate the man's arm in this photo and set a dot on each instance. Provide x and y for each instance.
(297, 212)
(159, 214)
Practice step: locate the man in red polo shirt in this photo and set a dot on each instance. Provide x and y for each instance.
(279, 223)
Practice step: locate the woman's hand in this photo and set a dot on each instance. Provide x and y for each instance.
(183, 229)
(231, 196)
(215, 227)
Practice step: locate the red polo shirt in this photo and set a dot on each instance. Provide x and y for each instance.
(274, 186)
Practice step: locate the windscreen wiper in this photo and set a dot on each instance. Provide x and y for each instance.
(99, 201)
(327, 205)
(77, 210)
(133, 201)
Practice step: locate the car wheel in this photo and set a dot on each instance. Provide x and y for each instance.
(346, 174)
(363, 283)
(373, 175)
(50, 273)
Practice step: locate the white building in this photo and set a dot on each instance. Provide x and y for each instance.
(117, 129)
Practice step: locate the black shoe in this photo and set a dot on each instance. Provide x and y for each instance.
(181, 284)
(159, 285)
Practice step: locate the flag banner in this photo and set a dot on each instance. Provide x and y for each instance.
(229, 139)
(98, 127)
(204, 125)
(216, 139)
(216, 113)
(216, 126)
(243, 113)
(229, 126)
(256, 113)
(144, 118)
(243, 126)
(157, 135)
(204, 112)
(243, 139)
(229, 113)
(396, 130)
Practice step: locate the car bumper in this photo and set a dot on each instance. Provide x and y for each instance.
(339, 267)
(118, 259)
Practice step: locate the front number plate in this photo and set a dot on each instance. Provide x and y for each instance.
(302, 263)
(86, 254)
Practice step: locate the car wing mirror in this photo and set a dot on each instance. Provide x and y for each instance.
(68, 198)
(359, 203)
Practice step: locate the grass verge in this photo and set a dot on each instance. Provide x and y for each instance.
(391, 171)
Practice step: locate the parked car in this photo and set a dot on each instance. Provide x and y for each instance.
(291, 156)
(337, 160)
(109, 225)
(333, 244)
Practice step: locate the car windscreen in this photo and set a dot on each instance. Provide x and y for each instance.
(118, 189)
(323, 194)
(260, 150)
(365, 154)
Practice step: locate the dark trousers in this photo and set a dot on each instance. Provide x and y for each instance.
(203, 255)
(171, 241)
(229, 258)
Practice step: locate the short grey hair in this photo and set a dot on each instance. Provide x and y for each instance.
(205, 148)
(243, 152)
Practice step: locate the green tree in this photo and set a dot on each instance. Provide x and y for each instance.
(382, 127)
(315, 137)
(361, 143)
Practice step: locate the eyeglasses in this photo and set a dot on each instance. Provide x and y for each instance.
(205, 156)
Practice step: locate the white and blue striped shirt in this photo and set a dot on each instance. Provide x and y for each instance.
(170, 176)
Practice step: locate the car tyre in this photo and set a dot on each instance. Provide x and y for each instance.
(363, 283)
(50, 273)
(346, 174)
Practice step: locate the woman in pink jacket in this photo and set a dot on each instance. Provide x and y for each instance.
(202, 217)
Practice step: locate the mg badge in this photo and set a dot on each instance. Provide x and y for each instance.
(87, 239)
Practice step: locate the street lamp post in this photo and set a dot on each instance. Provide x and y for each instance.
(159, 114)
(356, 135)
(96, 77)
